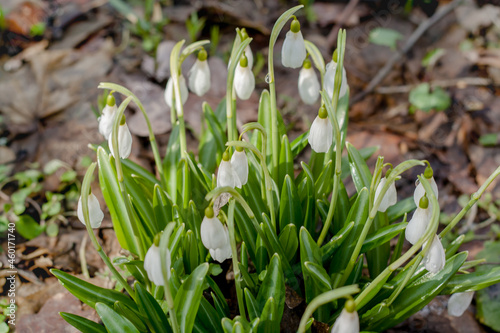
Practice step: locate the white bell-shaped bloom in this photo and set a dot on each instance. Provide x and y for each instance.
(347, 322)
(459, 302)
(199, 75)
(435, 259)
(226, 175)
(249, 55)
(169, 91)
(244, 80)
(293, 51)
(222, 253)
(420, 191)
(418, 224)
(107, 118)
(390, 198)
(239, 162)
(321, 133)
(95, 213)
(329, 80)
(152, 265)
(124, 141)
(212, 233)
(309, 86)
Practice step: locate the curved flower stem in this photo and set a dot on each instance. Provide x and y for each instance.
(234, 251)
(370, 291)
(322, 299)
(474, 198)
(179, 109)
(278, 26)
(152, 138)
(85, 208)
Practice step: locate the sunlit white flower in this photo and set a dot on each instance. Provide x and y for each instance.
(222, 253)
(419, 222)
(239, 162)
(321, 132)
(329, 80)
(244, 80)
(95, 213)
(152, 265)
(435, 259)
(169, 91)
(308, 84)
(459, 302)
(107, 118)
(124, 141)
(390, 198)
(215, 236)
(293, 51)
(420, 191)
(226, 175)
(199, 75)
(249, 54)
(347, 322)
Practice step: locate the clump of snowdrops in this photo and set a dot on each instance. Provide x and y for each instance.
(285, 231)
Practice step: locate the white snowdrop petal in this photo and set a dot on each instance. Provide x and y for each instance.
(435, 259)
(223, 252)
(418, 224)
(321, 135)
(249, 55)
(347, 322)
(226, 176)
(239, 162)
(106, 120)
(95, 213)
(244, 82)
(212, 233)
(420, 191)
(124, 142)
(152, 265)
(293, 52)
(308, 86)
(169, 91)
(199, 77)
(329, 80)
(390, 198)
(459, 302)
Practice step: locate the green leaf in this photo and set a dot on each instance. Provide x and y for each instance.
(135, 317)
(401, 208)
(188, 298)
(251, 303)
(68, 176)
(385, 37)
(82, 324)
(360, 173)
(309, 252)
(382, 236)
(27, 227)
(324, 183)
(422, 98)
(268, 318)
(473, 281)
(329, 248)
(488, 306)
(319, 276)
(289, 241)
(290, 209)
(150, 308)
(113, 321)
(273, 287)
(489, 140)
(172, 156)
(299, 144)
(285, 161)
(162, 208)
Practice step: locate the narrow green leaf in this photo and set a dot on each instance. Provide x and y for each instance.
(82, 324)
(359, 170)
(290, 209)
(113, 321)
(289, 241)
(285, 161)
(382, 236)
(150, 308)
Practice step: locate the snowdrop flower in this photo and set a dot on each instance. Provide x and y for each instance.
(248, 50)
(244, 81)
(239, 162)
(459, 302)
(95, 213)
(199, 75)
(329, 82)
(435, 259)
(308, 84)
(215, 236)
(321, 132)
(169, 91)
(419, 222)
(293, 51)
(390, 198)
(152, 264)
(107, 118)
(420, 191)
(226, 175)
(348, 321)
(124, 140)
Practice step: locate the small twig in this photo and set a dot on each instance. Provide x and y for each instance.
(458, 82)
(331, 39)
(415, 36)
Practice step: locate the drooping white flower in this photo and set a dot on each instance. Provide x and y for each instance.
(169, 91)
(419, 222)
(459, 302)
(244, 80)
(95, 213)
(390, 198)
(435, 259)
(226, 175)
(152, 265)
(215, 236)
(124, 141)
(107, 118)
(249, 55)
(222, 253)
(347, 322)
(329, 80)
(239, 162)
(420, 191)
(321, 132)
(293, 51)
(199, 75)
(308, 84)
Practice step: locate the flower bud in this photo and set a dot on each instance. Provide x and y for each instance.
(293, 51)
(124, 142)
(199, 75)
(420, 191)
(95, 213)
(347, 322)
(321, 132)
(244, 80)
(308, 84)
(152, 265)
